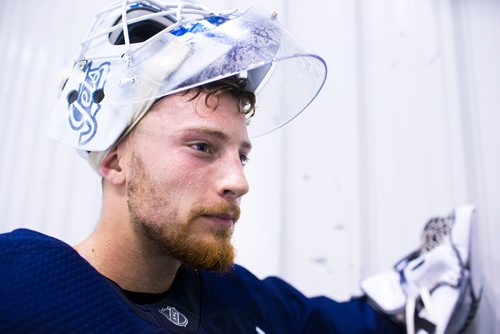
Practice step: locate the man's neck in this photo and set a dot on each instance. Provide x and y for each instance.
(119, 254)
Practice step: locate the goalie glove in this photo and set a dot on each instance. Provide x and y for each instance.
(432, 286)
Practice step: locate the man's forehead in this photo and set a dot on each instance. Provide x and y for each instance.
(181, 113)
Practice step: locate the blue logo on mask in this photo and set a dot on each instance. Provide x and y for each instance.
(83, 110)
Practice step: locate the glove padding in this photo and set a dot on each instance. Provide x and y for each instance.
(432, 285)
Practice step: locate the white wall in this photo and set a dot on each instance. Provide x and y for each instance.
(405, 128)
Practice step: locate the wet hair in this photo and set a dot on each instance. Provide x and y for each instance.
(235, 87)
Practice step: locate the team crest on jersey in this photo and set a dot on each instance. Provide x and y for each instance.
(85, 103)
(174, 316)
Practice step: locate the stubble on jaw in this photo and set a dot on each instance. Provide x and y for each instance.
(198, 247)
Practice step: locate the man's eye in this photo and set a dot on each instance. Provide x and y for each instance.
(202, 147)
(244, 159)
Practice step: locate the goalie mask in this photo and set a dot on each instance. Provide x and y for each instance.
(139, 51)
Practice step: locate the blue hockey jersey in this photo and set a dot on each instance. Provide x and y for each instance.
(46, 287)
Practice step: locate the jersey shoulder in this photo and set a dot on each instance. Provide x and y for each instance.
(46, 287)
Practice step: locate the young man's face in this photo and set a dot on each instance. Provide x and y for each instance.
(185, 178)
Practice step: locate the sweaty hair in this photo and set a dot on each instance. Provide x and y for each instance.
(233, 86)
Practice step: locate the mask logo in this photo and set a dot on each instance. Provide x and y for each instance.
(174, 316)
(83, 110)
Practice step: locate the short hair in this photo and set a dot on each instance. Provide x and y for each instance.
(233, 86)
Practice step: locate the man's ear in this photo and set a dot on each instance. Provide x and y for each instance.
(111, 169)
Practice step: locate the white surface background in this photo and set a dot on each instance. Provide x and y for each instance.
(407, 127)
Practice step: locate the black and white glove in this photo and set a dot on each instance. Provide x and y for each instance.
(431, 288)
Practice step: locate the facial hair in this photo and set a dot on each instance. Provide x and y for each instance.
(207, 248)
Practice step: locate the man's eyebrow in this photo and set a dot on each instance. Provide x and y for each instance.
(220, 135)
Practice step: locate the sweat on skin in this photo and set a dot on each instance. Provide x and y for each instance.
(171, 193)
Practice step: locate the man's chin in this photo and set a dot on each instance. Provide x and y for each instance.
(206, 252)
(199, 246)
(216, 262)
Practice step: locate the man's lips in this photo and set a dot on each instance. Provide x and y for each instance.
(223, 220)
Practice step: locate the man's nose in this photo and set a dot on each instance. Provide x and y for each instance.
(233, 182)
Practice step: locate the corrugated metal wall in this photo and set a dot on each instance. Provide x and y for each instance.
(407, 127)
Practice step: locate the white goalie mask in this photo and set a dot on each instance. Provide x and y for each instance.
(139, 51)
